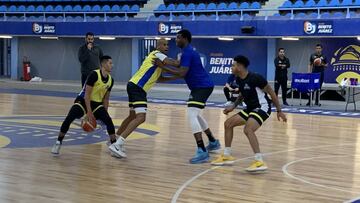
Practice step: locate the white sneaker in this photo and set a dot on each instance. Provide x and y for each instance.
(56, 148)
(229, 103)
(108, 143)
(117, 150)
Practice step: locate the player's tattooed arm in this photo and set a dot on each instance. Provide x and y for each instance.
(276, 102)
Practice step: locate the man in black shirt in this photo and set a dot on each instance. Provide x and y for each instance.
(318, 63)
(281, 65)
(89, 57)
(253, 90)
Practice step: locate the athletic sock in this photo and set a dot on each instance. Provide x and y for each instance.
(227, 151)
(210, 136)
(200, 144)
(258, 157)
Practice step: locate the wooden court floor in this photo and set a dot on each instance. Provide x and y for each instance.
(311, 158)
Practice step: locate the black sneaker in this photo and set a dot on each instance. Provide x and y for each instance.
(286, 104)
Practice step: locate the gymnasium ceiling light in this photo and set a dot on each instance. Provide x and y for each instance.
(290, 38)
(48, 37)
(358, 38)
(5, 37)
(107, 38)
(226, 38)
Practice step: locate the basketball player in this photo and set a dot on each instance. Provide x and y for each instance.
(137, 88)
(93, 101)
(254, 90)
(201, 87)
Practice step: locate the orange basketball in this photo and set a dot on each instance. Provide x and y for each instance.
(317, 62)
(87, 126)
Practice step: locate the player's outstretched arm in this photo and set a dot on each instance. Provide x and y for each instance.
(178, 72)
(171, 62)
(276, 102)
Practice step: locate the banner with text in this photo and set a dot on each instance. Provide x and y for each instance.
(217, 56)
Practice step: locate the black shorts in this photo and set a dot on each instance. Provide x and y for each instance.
(81, 102)
(137, 96)
(199, 96)
(258, 114)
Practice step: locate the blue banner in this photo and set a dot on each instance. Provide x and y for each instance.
(217, 56)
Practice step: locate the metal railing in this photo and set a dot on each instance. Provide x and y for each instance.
(172, 14)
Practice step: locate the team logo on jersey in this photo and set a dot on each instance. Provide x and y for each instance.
(42, 131)
(246, 86)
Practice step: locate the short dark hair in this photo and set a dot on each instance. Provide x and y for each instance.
(103, 58)
(319, 45)
(242, 60)
(89, 34)
(281, 49)
(185, 34)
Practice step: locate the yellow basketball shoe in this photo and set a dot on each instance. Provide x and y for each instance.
(257, 166)
(223, 160)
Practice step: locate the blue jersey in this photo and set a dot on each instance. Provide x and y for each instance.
(197, 76)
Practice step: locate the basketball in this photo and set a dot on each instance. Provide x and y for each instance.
(87, 126)
(317, 62)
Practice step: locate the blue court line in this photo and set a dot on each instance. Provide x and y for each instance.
(307, 111)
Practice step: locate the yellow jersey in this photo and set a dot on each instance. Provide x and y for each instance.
(148, 73)
(99, 88)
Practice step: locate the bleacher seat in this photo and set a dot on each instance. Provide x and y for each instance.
(68, 8)
(233, 6)
(12, 9)
(77, 8)
(247, 17)
(211, 6)
(170, 7)
(300, 15)
(116, 18)
(181, 7)
(322, 3)
(3, 8)
(310, 3)
(86, 8)
(287, 4)
(96, 8)
(40, 8)
(125, 8)
(244, 5)
(115, 8)
(221, 6)
(356, 3)
(325, 15)
(201, 6)
(255, 5)
(190, 7)
(312, 15)
(338, 15)
(334, 3)
(347, 3)
(299, 4)
(49, 8)
(58, 8)
(135, 8)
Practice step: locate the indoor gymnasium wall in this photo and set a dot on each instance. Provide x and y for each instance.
(57, 59)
